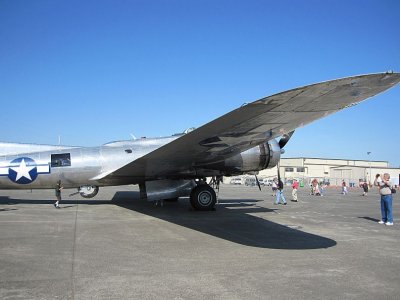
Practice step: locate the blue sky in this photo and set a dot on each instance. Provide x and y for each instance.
(96, 71)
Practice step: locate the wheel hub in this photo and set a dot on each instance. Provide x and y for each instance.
(205, 198)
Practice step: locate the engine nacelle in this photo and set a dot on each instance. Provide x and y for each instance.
(264, 156)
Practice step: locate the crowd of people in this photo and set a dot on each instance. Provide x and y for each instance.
(317, 188)
(383, 184)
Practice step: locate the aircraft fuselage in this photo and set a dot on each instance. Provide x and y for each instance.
(74, 166)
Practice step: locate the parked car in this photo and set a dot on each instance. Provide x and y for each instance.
(250, 181)
(236, 181)
(266, 182)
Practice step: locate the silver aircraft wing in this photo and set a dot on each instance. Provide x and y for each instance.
(253, 124)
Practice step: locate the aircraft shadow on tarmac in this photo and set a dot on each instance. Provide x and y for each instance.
(232, 221)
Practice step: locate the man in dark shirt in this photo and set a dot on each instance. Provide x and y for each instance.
(58, 189)
(279, 194)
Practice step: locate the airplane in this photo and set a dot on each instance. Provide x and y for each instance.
(243, 141)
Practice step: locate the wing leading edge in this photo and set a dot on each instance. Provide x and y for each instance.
(255, 123)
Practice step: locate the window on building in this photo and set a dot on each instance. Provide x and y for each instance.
(61, 160)
(301, 169)
(288, 169)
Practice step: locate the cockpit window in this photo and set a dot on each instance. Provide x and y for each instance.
(61, 160)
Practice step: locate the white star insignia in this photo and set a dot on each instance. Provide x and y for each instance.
(22, 171)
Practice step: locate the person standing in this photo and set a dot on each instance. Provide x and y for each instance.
(323, 187)
(365, 188)
(317, 190)
(386, 198)
(295, 187)
(58, 189)
(279, 194)
(378, 179)
(344, 188)
(274, 186)
(314, 187)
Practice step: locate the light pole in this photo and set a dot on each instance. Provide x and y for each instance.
(369, 159)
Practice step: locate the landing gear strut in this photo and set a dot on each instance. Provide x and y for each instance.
(214, 183)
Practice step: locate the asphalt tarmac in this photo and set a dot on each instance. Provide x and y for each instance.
(119, 247)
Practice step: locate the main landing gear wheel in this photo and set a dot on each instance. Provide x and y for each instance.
(203, 197)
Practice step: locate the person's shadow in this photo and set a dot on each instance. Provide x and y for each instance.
(7, 209)
(370, 219)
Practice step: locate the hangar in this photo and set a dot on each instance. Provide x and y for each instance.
(331, 170)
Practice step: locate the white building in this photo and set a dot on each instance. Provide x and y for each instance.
(332, 170)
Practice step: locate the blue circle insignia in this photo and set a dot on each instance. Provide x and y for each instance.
(22, 170)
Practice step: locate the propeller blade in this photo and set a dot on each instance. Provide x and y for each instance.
(285, 138)
(279, 173)
(258, 183)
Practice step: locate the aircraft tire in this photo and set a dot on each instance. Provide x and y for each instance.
(203, 197)
(90, 193)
